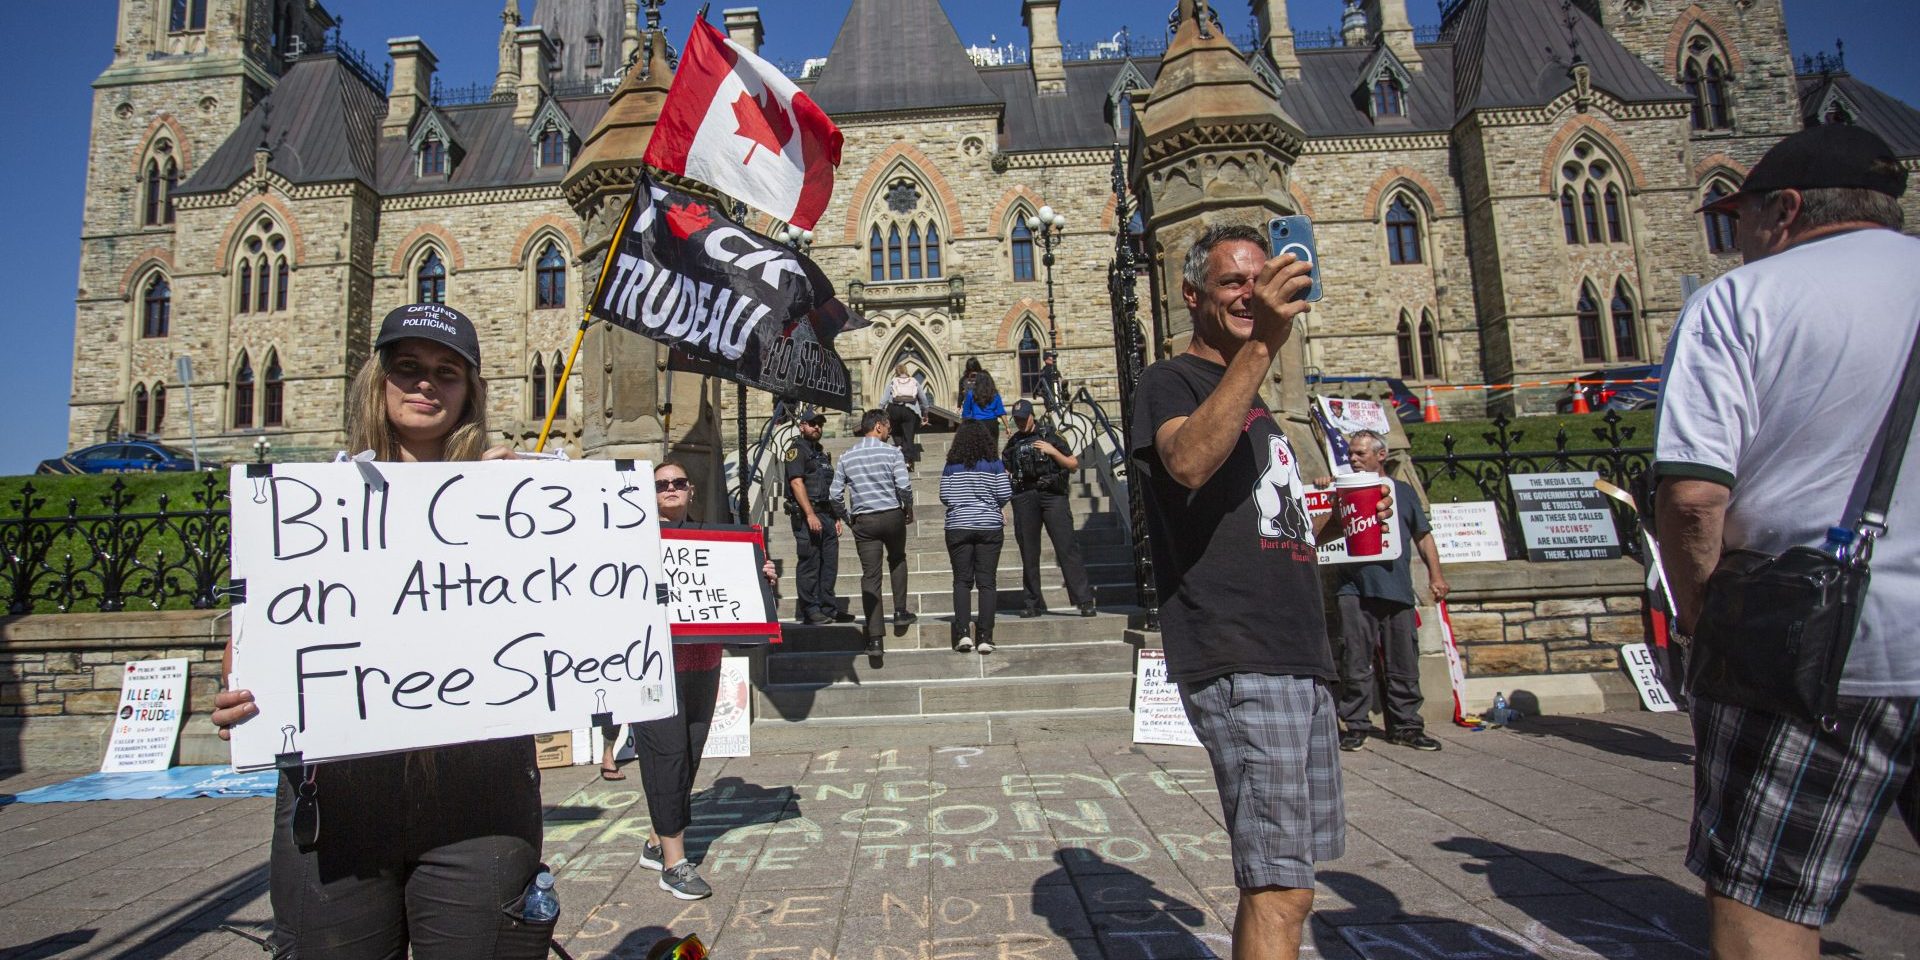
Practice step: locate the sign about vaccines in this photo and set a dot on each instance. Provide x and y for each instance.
(395, 606)
(1562, 517)
(147, 722)
(1320, 504)
(1158, 716)
(1646, 678)
(1467, 532)
(715, 592)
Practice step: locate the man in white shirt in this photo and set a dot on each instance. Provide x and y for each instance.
(1778, 376)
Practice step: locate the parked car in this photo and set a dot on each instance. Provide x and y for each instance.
(121, 456)
(1406, 404)
(1616, 395)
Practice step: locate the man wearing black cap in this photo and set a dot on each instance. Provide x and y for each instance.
(1778, 375)
(816, 520)
(1041, 466)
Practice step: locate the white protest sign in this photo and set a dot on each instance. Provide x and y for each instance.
(715, 591)
(1158, 716)
(1468, 532)
(1562, 516)
(1320, 503)
(147, 722)
(395, 606)
(1344, 416)
(1646, 677)
(731, 733)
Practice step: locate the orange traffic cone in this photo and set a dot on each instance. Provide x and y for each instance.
(1430, 411)
(1580, 398)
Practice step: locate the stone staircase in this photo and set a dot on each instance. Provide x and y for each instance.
(1055, 663)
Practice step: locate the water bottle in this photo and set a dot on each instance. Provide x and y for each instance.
(1501, 714)
(1839, 543)
(540, 905)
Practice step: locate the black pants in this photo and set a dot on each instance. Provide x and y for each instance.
(975, 555)
(669, 750)
(904, 420)
(883, 531)
(420, 850)
(819, 565)
(1032, 510)
(1369, 626)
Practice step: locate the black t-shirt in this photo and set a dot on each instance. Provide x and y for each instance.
(1233, 560)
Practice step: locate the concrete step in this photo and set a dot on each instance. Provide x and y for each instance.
(936, 562)
(796, 702)
(1006, 575)
(928, 536)
(932, 632)
(928, 597)
(774, 734)
(1010, 659)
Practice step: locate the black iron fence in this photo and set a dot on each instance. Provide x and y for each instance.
(112, 556)
(1615, 457)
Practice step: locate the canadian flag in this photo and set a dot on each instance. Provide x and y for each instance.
(733, 121)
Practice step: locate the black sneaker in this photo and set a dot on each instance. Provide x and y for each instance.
(819, 619)
(652, 857)
(1086, 609)
(1352, 740)
(1416, 739)
(1031, 611)
(876, 647)
(681, 881)
(903, 617)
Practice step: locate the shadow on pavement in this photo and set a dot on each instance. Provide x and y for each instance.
(48, 946)
(188, 919)
(1377, 925)
(732, 803)
(1114, 912)
(1615, 738)
(1893, 898)
(1608, 911)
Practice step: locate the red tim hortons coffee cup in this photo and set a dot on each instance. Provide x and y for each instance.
(1357, 498)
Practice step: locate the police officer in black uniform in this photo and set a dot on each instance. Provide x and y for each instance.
(1040, 465)
(816, 520)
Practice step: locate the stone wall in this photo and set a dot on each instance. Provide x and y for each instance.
(60, 681)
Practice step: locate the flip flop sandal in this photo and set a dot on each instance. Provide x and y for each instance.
(613, 774)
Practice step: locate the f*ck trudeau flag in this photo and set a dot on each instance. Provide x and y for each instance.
(729, 302)
(734, 121)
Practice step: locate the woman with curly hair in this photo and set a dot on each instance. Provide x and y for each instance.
(975, 488)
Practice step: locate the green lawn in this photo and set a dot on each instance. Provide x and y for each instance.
(150, 555)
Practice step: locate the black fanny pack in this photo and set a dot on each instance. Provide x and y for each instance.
(1774, 631)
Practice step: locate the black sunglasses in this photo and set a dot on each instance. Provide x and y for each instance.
(677, 483)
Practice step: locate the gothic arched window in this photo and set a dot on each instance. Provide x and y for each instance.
(933, 251)
(538, 378)
(1030, 360)
(1626, 333)
(910, 249)
(559, 374)
(550, 278)
(265, 273)
(433, 157)
(916, 262)
(1388, 99)
(273, 392)
(1587, 176)
(1593, 344)
(162, 178)
(1403, 232)
(895, 254)
(430, 280)
(876, 257)
(1569, 219)
(1021, 240)
(553, 146)
(1429, 348)
(1719, 224)
(159, 406)
(243, 393)
(156, 308)
(1403, 340)
(139, 408)
(1703, 74)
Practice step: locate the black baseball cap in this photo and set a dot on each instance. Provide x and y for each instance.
(809, 414)
(1022, 409)
(1829, 155)
(432, 321)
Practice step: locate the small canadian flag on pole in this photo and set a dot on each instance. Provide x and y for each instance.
(735, 122)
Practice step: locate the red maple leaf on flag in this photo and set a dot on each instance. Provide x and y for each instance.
(766, 124)
(687, 219)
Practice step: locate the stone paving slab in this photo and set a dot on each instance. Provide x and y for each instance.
(1047, 839)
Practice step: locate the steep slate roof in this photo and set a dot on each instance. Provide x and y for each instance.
(1895, 122)
(321, 120)
(499, 153)
(898, 55)
(1076, 121)
(1325, 101)
(1514, 53)
(569, 21)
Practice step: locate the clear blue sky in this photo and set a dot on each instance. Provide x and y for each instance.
(50, 60)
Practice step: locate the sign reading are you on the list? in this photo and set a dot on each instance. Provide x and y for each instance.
(395, 606)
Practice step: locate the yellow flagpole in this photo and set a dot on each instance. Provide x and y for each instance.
(586, 320)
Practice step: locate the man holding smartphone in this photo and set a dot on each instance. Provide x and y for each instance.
(1235, 563)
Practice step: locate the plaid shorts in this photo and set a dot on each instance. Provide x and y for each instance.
(1783, 813)
(1274, 743)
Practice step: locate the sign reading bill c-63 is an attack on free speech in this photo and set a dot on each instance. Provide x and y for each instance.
(396, 606)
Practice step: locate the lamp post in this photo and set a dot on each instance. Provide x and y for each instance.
(261, 447)
(1047, 226)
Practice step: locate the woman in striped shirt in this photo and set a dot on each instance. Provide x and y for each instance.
(975, 488)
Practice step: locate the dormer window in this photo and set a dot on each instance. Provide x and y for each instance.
(593, 50)
(553, 147)
(1389, 100)
(433, 157)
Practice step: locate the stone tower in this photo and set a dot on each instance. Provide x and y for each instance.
(1730, 56)
(182, 76)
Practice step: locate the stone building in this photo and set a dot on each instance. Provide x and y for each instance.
(1507, 197)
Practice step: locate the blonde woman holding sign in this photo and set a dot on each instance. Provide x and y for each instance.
(669, 748)
(421, 850)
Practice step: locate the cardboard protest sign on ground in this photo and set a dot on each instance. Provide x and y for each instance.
(1320, 504)
(1468, 532)
(731, 734)
(1646, 678)
(1158, 716)
(395, 606)
(1562, 517)
(147, 722)
(714, 588)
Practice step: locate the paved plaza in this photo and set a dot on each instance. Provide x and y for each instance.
(1560, 839)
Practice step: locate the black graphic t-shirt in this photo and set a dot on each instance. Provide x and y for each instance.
(1233, 560)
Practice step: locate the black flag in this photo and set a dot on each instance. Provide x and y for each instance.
(730, 302)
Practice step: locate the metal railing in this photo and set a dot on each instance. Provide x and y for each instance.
(1615, 460)
(472, 93)
(108, 559)
(761, 462)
